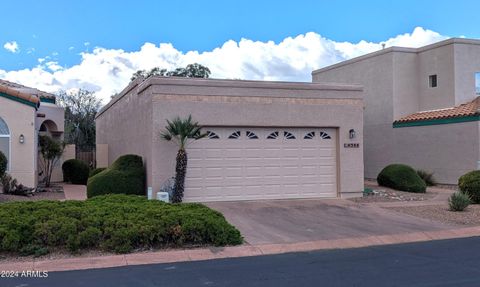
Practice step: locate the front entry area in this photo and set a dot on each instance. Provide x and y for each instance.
(238, 163)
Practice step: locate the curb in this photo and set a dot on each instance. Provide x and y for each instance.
(200, 254)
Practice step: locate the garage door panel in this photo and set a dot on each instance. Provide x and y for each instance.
(247, 169)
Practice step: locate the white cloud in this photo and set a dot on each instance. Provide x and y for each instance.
(11, 46)
(108, 71)
(53, 66)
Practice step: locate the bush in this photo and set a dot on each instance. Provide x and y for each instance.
(118, 223)
(75, 171)
(458, 201)
(401, 177)
(427, 177)
(469, 184)
(3, 164)
(125, 176)
(96, 171)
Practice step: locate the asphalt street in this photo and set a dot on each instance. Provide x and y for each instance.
(436, 263)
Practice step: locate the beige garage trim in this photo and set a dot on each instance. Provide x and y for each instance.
(235, 163)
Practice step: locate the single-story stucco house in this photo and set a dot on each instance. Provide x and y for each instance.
(266, 140)
(24, 114)
(421, 106)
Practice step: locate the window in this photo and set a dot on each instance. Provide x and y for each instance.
(212, 135)
(309, 136)
(235, 135)
(324, 135)
(251, 135)
(273, 135)
(432, 81)
(477, 83)
(5, 140)
(288, 135)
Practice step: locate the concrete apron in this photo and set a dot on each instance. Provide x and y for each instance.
(172, 256)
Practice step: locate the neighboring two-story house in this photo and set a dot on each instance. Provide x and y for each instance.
(421, 106)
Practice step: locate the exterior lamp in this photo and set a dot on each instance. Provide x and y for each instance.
(351, 134)
(21, 139)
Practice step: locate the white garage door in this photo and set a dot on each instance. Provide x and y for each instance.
(262, 163)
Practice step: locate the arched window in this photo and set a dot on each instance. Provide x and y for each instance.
(5, 140)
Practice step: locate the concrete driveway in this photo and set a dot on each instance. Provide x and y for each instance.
(287, 221)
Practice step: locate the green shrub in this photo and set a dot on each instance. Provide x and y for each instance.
(125, 176)
(3, 164)
(118, 223)
(427, 177)
(401, 177)
(75, 171)
(96, 171)
(458, 201)
(33, 249)
(469, 183)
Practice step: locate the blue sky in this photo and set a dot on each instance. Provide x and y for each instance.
(58, 31)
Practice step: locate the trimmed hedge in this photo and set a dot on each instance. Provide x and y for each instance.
(75, 171)
(401, 177)
(469, 184)
(118, 223)
(3, 164)
(96, 171)
(125, 176)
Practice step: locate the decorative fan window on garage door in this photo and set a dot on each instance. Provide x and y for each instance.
(235, 135)
(273, 135)
(288, 135)
(324, 135)
(212, 135)
(251, 135)
(309, 136)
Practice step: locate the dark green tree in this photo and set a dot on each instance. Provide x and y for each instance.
(182, 132)
(80, 109)
(50, 150)
(190, 71)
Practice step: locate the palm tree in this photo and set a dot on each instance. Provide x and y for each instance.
(182, 132)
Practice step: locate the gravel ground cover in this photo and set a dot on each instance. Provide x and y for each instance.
(385, 194)
(469, 217)
(53, 193)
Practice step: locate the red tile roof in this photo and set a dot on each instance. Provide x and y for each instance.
(20, 95)
(463, 110)
(26, 90)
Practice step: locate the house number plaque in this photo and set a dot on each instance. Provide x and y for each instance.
(351, 145)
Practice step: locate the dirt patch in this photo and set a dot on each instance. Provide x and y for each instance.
(469, 217)
(53, 193)
(385, 194)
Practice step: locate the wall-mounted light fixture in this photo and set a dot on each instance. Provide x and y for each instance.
(21, 139)
(351, 134)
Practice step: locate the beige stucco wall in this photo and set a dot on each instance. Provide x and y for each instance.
(405, 84)
(101, 155)
(127, 127)
(376, 75)
(20, 119)
(437, 61)
(448, 150)
(53, 114)
(232, 103)
(467, 63)
(396, 84)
